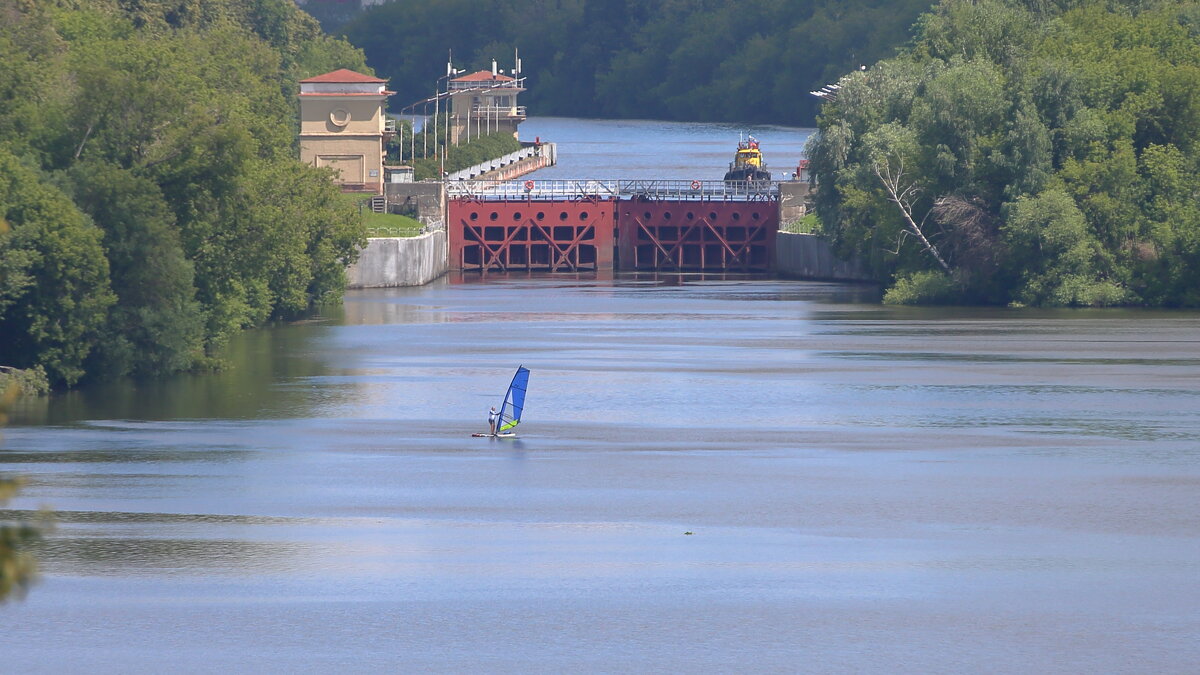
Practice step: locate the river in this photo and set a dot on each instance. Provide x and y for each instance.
(640, 149)
(713, 475)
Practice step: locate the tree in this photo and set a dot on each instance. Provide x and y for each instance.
(183, 213)
(891, 149)
(1046, 156)
(1062, 264)
(55, 321)
(748, 61)
(156, 326)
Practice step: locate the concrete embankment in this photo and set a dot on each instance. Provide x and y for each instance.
(807, 256)
(530, 158)
(399, 261)
(517, 169)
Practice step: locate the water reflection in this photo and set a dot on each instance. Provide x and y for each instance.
(247, 387)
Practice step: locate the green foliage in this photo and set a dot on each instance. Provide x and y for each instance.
(1061, 261)
(807, 224)
(1050, 153)
(182, 214)
(925, 287)
(695, 60)
(480, 149)
(156, 325)
(18, 567)
(55, 320)
(27, 382)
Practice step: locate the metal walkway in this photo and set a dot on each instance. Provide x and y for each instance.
(594, 225)
(570, 189)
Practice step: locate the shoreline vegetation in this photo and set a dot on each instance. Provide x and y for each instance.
(1023, 153)
(152, 202)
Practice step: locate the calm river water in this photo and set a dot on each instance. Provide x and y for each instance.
(712, 476)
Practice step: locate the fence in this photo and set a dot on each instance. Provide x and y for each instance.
(673, 190)
(493, 164)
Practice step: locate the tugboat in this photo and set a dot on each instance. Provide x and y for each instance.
(747, 164)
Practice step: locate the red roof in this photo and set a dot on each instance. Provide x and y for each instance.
(482, 76)
(343, 75)
(345, 94)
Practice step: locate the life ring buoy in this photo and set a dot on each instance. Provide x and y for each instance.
(695, 185)
(528, 185)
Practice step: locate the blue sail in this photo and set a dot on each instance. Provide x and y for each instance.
(514, 400)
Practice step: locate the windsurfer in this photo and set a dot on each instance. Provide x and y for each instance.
(492, 421)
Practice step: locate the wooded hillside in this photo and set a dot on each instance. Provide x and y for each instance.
(688, 60)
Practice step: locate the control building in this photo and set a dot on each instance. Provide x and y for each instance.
(484, 102)
(343, 127)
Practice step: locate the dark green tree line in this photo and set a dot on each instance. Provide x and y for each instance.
(1024, 152)
(692, 60)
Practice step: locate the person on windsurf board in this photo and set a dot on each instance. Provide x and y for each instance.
(501, 423)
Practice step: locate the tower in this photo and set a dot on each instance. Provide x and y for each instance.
(484, 102)
(343, 127)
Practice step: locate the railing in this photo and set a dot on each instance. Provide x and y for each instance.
(493, 164)
(679, 190)
(380, 231)
(498, 110)
(486, 84)
(389, 125)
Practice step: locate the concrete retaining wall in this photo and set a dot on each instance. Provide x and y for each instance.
(794, 197)
(399, 261)
(516, 169)
(529, 158)
(426, 200)
(807, 256)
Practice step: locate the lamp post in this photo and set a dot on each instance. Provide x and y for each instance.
(411, 111)
(437, 97)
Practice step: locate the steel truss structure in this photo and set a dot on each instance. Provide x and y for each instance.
(577, 226)
(678, 190)
(563, 236)
(697, 236)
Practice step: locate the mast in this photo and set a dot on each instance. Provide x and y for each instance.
(514, 400)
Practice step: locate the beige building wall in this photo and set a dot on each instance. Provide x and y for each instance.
(342, 127)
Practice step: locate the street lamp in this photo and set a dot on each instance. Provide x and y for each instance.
(437, 98)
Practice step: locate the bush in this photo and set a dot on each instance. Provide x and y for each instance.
(809, 224)
(28, 382)
(923, 288)
(479, 150)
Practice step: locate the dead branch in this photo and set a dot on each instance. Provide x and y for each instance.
(903, 196)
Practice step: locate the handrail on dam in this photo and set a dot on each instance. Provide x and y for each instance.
(559, 189)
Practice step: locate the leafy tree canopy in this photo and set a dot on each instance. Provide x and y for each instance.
(1024, 152)
(692, 60)
(149, 183)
